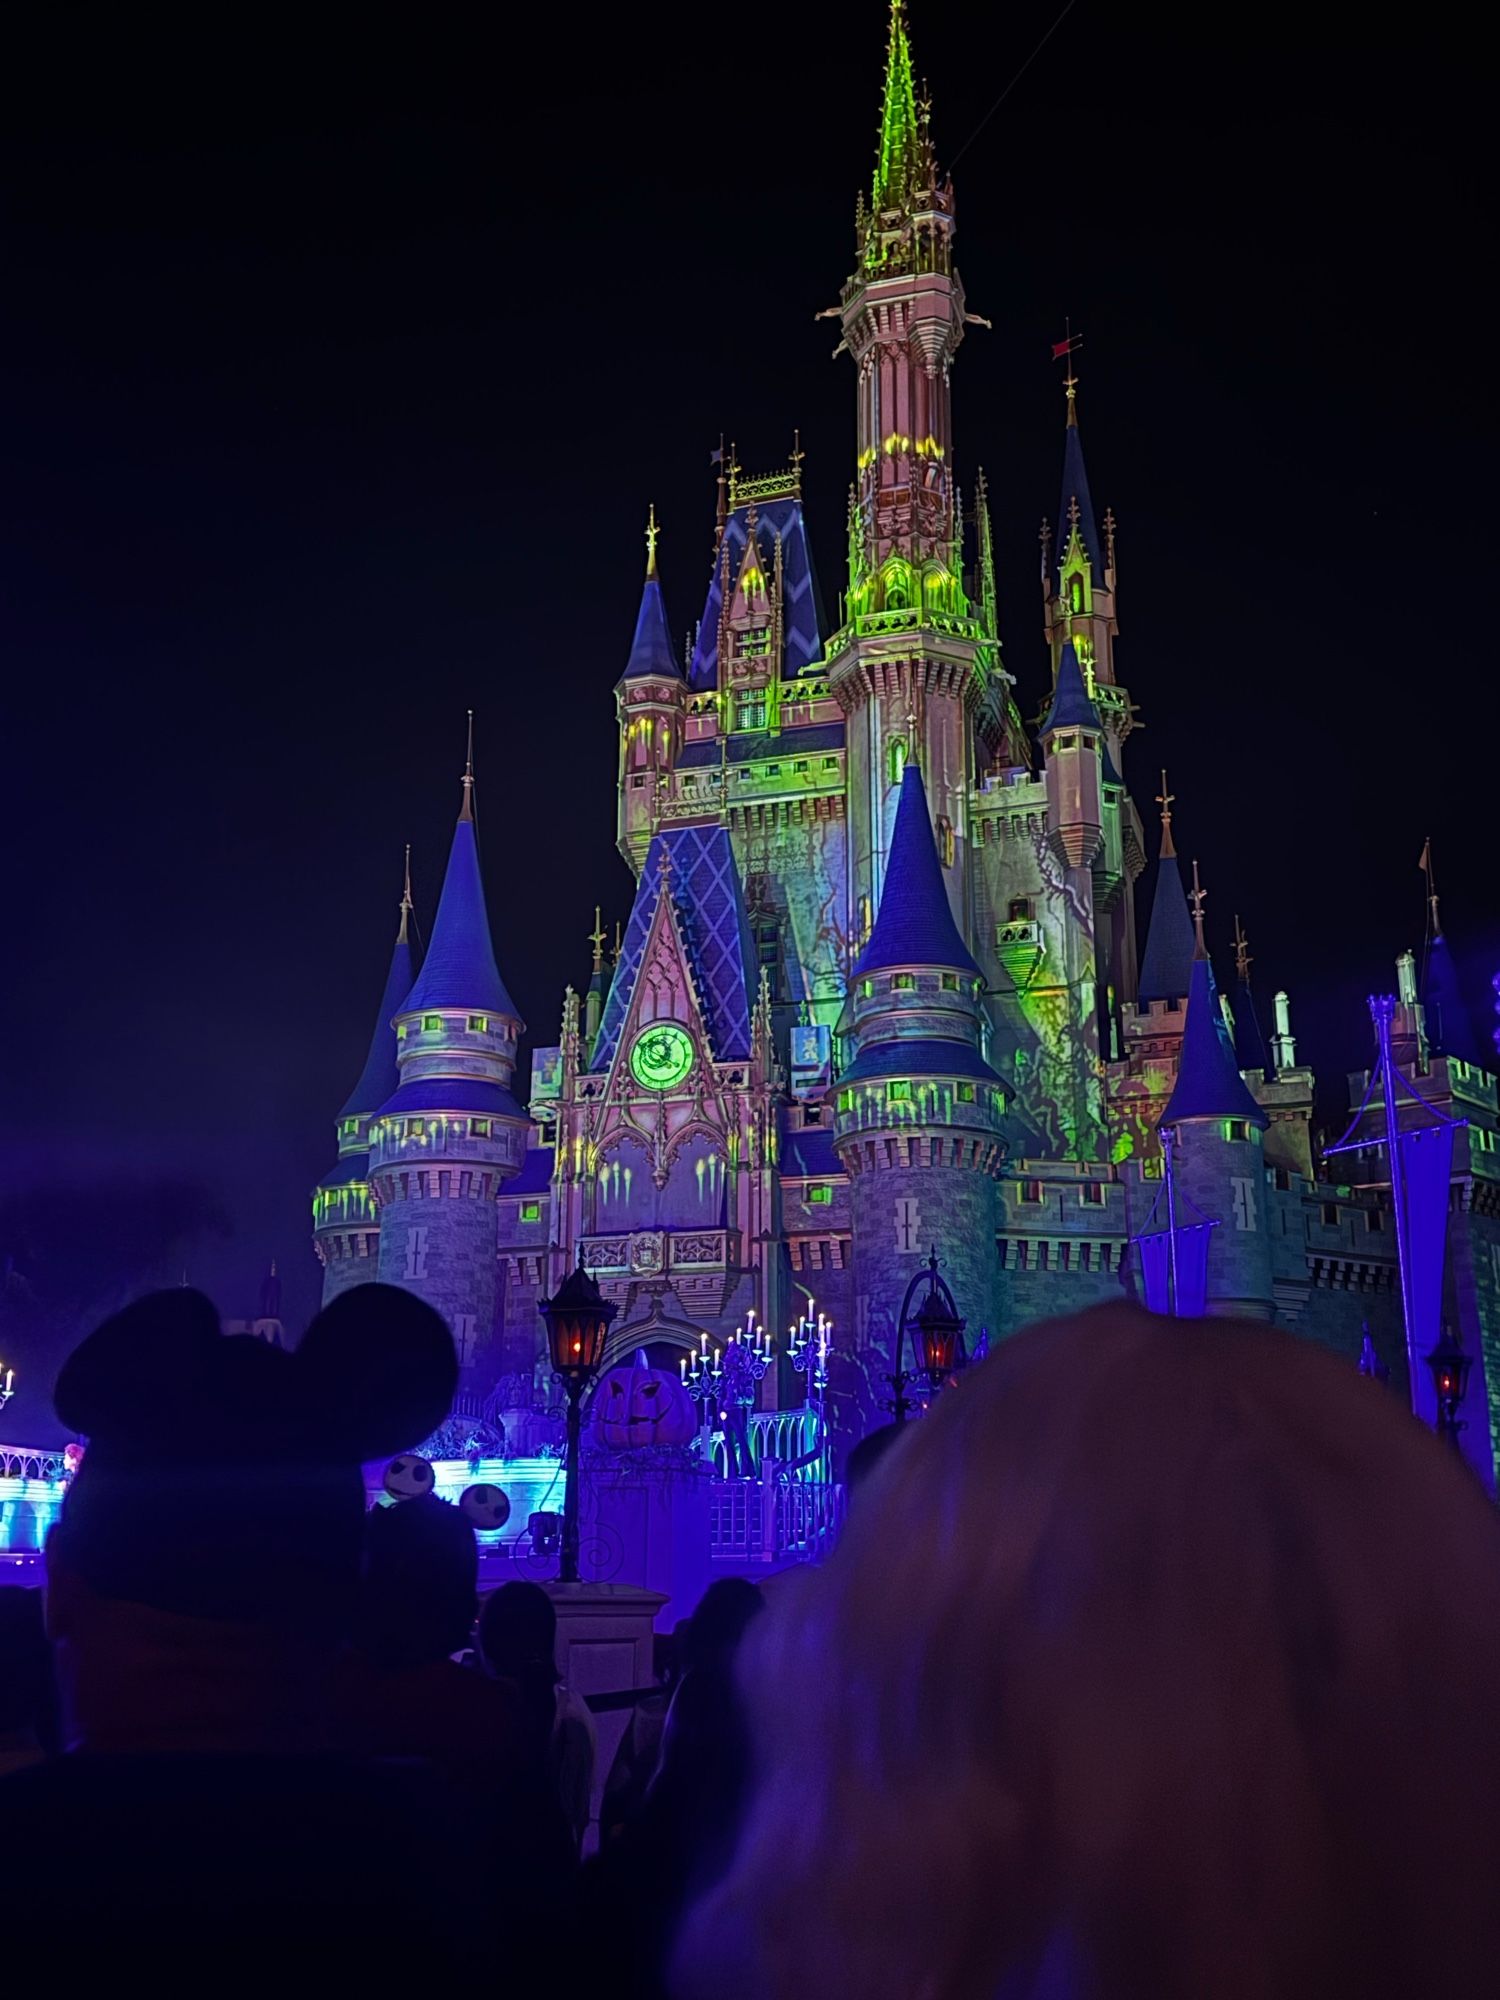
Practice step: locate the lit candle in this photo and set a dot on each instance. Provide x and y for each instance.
(683, 1362)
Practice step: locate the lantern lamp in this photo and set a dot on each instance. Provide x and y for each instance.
(577, 1318)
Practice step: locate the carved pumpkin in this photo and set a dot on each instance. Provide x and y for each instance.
(642, 1406)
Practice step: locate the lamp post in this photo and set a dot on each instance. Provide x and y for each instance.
(577, 1317)
(936, 1332)
(1450, 1373)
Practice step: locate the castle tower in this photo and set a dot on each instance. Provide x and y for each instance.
(1281, 1089)
(650, 702)
(346, 1222)
(1152, 1028)
(1073, 745)
(916, 667)
(1216, 1128)
(917, 1110)
(451, 1133)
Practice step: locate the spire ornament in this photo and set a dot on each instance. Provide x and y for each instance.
(1197, 898)
(1242, 958)
(596, 939)
(405, 904)
(467, 810)
(652, 531)
(1164, 799)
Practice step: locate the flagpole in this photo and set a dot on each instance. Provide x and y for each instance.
(1382, 1012)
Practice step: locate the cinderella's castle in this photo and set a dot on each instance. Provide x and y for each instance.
(887, 985)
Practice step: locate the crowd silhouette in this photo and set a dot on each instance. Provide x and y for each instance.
(1156, 1660)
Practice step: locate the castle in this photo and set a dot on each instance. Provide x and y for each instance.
(885, 989)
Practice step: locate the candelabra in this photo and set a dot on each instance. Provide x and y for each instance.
(807, 1349)
(7, 1386)
(729, 1384)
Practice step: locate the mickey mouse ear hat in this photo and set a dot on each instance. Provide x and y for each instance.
(221, 1477)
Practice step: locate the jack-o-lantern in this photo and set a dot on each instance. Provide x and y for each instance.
(642, 1406)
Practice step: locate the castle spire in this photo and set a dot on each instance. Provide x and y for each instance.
(1072, 706)
(898, 153)
(1077, 506)
(378, 1078)
(914, 924)
(1198, 898)
(1249, 1043)
(459, 970)
(1209, 1084)
(1166, 967)
(466, 812)
(651, 650)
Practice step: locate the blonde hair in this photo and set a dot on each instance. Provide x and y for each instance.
(1159, 1659)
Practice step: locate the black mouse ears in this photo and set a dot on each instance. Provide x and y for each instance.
(379, 1370)
(374, 1373)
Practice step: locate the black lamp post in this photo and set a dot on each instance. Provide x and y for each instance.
(1450, 1374)
(577, 1317)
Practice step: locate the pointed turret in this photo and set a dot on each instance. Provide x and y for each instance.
(914, 924)
(378, 1077)
(1249, 1043)
(345, 1222)
(651, 652)
(899, 155)
(459, 970)
(1072, 705)
(451, 1133)
(1167, 964)
(1209, 1084)
(1076, 515)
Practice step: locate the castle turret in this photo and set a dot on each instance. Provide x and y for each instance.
(651, 702)
(916, 667)
(1215, 1127)
(1281, 1089)
(346, 1222)
(1073, 746)
(451, 1133)
(917, 1107)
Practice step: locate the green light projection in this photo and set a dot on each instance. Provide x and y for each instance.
(662, 1056)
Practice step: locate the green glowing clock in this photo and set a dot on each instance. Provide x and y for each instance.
(662, 1055)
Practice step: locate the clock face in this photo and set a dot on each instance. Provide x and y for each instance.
(662, 1055)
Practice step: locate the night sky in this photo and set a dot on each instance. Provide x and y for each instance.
(340, 364)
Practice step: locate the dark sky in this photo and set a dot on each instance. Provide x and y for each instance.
(341, 358)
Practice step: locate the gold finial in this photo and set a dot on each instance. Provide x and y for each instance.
(596, 939)
(1164, 799)
(617, 940)
(652, 531)
(1073, 511)
(468, 804)
(1242, 958)
(405, 898)
(1064, 350)
(798, 454)
(664, 864)
(1197, 899)
(1109, 538)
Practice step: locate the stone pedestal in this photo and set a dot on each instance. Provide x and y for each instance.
(605, 1645)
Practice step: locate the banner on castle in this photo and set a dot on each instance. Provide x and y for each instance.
(1426, 1164)
(1192, 1269)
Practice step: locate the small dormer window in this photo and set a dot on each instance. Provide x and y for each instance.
(819, 1194)
(946, 846)
(867, 989)
(1068, 741)
(1236, 1129)
(1018, 910)
(903, 982)
(1076, 595)
(898, 1091)
(479, 1128)
(531, 1211)
(416, 1128)
(950, 982)
(966, 1093)
(479, 1024)
(431, 1023)
(846, 1100)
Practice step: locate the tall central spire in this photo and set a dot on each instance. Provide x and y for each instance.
(899, 152)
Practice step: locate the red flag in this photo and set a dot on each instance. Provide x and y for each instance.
(1062, 347)
(1425, 864)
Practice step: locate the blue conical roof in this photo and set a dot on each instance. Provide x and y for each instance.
(459, 969)
(914, 925)
(1209, 1084)
(651, 648)
(379, 1076)
(1071, 706)
(1249, 1043)
(1450, 1029)
(1166, 969)
(1075, 486)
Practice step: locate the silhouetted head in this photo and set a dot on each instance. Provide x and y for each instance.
(222, 1477)
(725, 1613)
(518, 1629)
(1159, 1659)
(26, 1697)
(419, 1591)
(871, 1451)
